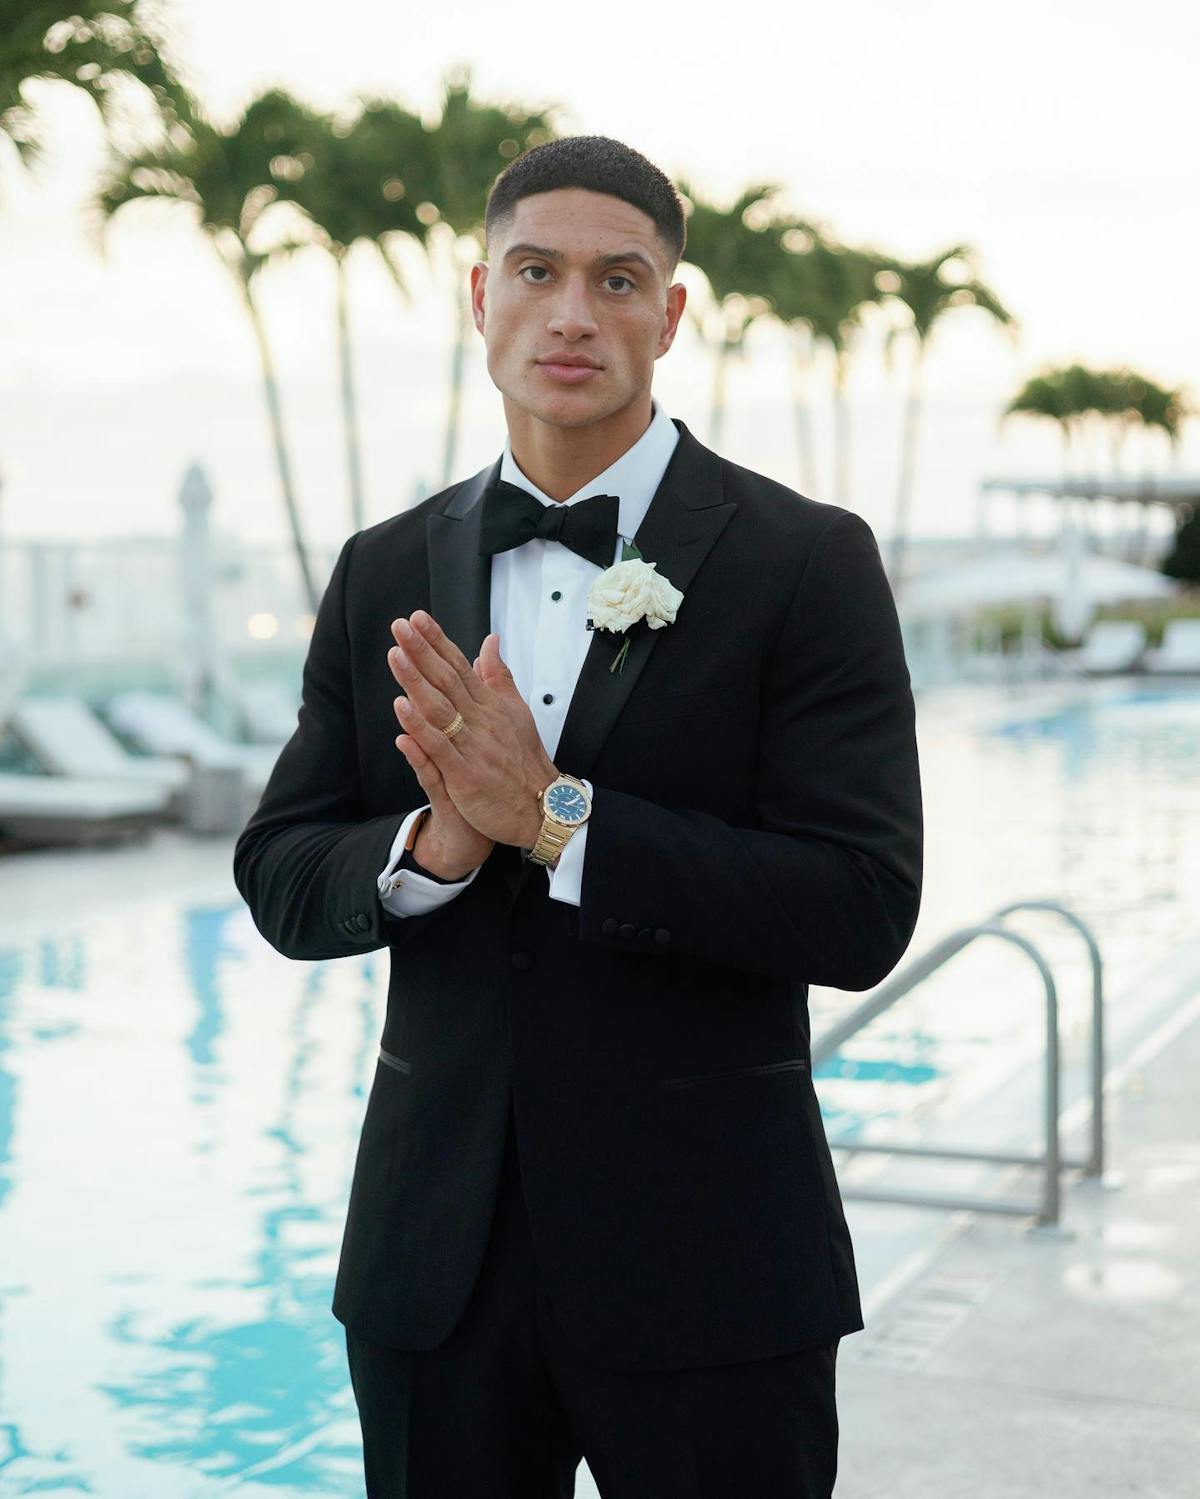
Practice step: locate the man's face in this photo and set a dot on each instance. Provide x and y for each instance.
(574, 306)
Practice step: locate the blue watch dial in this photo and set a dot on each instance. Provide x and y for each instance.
(566, 804)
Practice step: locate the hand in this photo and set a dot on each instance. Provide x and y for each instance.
(447, 845)
(494, 768)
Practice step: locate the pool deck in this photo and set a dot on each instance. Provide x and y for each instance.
(1018, 1363)
(999, 1360)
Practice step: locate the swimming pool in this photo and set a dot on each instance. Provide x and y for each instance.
(179, 1106)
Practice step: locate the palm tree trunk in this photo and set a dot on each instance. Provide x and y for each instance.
(801, 366)
(349, 401)
(275, 414)
(462, 325)
(841, 431)
(717, 416)
(904, 484)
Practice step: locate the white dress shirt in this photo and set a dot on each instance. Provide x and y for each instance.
(539, 610)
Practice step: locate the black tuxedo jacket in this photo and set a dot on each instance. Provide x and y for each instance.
(756, 827)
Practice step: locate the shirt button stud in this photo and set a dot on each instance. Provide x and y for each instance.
(556, 595)
(547, 697)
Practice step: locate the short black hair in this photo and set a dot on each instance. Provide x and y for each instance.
(599, 164)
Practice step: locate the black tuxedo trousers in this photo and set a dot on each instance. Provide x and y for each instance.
(756, 828)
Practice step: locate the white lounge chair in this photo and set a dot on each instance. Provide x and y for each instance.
(1112, 645)
(67, 738)
(75, 810)
(163, 725)
(1179, 651)
(268, 711)
(227, 778)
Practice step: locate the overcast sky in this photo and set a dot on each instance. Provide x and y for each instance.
(1058, 139)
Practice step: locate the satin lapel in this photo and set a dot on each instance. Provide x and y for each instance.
(460, 580)
(685, 517)
(460, 596)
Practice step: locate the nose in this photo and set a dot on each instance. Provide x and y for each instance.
(571, 315)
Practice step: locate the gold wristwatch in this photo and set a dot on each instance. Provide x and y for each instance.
(565, 805)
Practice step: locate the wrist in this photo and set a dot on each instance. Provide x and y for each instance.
(432, 856)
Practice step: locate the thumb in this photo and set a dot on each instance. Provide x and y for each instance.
(491, 665)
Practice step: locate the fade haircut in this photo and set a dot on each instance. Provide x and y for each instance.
(600, 165)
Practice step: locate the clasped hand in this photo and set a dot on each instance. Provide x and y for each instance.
(483, 783)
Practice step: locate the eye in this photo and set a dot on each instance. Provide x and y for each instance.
(626, 280)
(525, 268)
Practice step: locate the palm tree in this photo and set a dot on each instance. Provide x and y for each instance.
(736, 249)
(929, 289)
(94, 45)
(357, 180)
(1056, 395)
(465, 150)
(820, 290)
(1071, 395)
(226, 179)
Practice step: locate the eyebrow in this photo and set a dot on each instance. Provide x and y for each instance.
(626, 257)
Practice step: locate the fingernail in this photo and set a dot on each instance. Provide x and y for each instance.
(405, 628)
(405, 707)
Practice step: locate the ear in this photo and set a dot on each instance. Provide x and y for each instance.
(676, 301)
(479, 273)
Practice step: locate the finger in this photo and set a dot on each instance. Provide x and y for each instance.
(493, 668)
(429, 636)
(429, 777)
(429, 665)
(425, 769)
(442, 751)
(432, 633)
(432, 704)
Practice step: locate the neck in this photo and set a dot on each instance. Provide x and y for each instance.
(561, 460)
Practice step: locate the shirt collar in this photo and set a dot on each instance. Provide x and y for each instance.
(634, 476)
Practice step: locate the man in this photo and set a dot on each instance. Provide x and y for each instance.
(593, 1211)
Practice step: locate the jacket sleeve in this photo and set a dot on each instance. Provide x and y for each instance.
(307, 863)
(826, 887)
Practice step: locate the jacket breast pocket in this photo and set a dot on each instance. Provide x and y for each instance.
(764, 1069)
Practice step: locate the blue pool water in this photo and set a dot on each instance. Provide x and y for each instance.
(179, 1106)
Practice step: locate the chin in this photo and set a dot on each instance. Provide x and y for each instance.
(566, 409)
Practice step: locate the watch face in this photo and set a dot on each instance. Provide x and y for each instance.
(566, 803)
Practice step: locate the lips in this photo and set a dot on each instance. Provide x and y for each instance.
(570, 373)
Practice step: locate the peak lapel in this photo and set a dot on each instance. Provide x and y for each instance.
(685, 517)
(460, 580)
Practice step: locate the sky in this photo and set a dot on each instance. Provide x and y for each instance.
(1057, 139)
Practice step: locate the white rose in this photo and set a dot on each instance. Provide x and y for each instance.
(630, 591)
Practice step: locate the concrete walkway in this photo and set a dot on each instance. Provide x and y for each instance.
(1061, 1366)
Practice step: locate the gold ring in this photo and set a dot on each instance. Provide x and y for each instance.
(453, 726)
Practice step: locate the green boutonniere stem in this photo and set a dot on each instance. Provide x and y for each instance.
(628, 554)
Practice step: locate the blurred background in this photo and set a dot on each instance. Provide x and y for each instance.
(940, 271)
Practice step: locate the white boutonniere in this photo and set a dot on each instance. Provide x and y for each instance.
(630, 590)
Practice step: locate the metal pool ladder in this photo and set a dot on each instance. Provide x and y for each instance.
(1051, 1161)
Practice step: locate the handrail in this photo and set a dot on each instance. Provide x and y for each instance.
(1094, 1166)
(1051, 1160)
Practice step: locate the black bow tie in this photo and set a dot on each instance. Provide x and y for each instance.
(513, 516)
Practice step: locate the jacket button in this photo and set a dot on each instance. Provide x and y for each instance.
(626, 932)
(521, 960)
(662, 937)
(645, 935)
(362, 921)
(608, 927)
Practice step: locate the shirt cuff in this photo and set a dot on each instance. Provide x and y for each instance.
(566, 877)
(407, 893)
